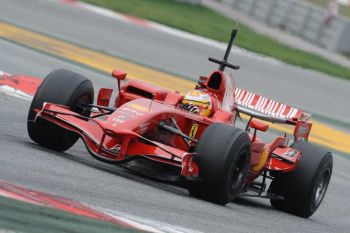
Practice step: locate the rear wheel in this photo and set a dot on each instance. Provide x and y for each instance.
(59, 87)
(304, 189)
(223, 159)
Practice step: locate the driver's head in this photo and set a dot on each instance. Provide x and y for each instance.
(198, 101)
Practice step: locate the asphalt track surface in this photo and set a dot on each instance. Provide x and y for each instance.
(76, 175)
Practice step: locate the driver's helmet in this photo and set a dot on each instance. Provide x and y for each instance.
(198, 101)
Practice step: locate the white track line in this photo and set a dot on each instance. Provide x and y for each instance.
(10, 91)
(2, 73)
(144, 223)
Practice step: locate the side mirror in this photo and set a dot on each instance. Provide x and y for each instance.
(258, 125)
(119, 74)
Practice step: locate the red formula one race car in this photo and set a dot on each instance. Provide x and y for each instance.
(190, 138)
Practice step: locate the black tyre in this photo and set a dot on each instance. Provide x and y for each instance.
(60, 87)
(304, 188)
(223, 159)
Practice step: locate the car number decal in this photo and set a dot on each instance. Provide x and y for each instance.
(193, 130)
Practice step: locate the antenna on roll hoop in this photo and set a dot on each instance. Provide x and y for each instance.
(224, 63)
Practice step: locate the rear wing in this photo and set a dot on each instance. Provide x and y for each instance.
(267, 109)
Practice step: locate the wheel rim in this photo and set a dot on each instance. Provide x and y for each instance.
(321, 187)
(238, 171)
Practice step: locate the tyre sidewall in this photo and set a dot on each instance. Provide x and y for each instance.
(216, 162)
(298, 187)
(59, 87)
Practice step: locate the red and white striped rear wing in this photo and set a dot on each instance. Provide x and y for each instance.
(267, 109)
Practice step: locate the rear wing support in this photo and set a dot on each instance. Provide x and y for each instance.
(264, 117)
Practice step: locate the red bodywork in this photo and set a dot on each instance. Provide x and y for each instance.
(132, 130)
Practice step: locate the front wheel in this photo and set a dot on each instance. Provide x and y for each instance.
(59, 87)
(304, 188)
(223, 159)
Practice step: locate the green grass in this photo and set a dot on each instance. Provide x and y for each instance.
(24, 217)
(343, 10)
(208, 23)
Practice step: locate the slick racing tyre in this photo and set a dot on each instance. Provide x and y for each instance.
(304, 188)
(59, 87)
(223, 159)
